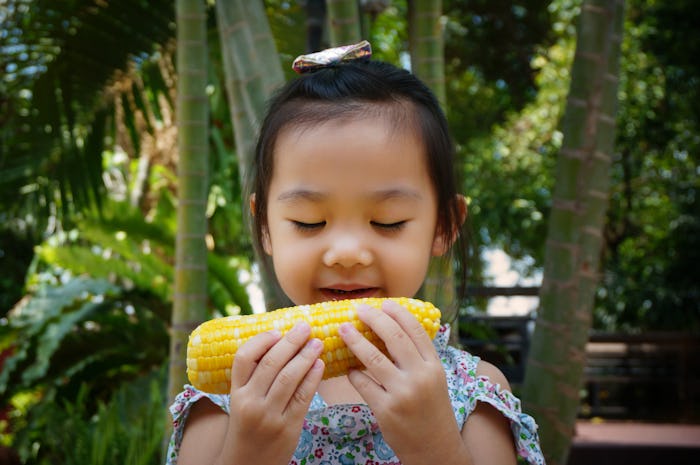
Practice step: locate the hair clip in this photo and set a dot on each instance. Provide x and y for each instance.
(331, 56)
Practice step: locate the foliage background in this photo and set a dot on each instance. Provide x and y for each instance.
(87, 163)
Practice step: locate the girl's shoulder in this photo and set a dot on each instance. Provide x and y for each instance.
(471, 380)
(180, 410)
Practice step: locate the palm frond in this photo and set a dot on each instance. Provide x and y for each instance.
(58, 58)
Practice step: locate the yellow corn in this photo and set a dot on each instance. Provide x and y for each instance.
(212, 346)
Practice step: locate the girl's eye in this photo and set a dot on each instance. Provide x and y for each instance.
(389, 226)
(300, 225)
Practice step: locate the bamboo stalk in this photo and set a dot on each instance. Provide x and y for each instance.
(190, 294)
(556, 361)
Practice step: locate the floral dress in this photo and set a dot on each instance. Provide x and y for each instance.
(349, 434)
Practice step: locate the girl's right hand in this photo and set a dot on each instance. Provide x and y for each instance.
(273, 381)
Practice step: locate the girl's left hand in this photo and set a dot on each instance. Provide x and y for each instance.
(408, 396)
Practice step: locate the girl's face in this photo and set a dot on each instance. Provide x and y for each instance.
(351, 212)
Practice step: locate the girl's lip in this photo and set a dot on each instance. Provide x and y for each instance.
(348, 292)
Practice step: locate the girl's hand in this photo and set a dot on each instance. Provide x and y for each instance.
(273, 381)
(409, 396)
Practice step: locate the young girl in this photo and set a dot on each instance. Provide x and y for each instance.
(353, 195)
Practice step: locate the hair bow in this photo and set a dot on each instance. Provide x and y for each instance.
(331, 56)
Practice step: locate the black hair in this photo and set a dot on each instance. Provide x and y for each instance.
(353, 90)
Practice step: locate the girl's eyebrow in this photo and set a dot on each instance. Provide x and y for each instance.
(396, 193)
(295, 195)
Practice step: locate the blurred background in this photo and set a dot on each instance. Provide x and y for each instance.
(89, 179)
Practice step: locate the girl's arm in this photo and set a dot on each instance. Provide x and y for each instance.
(273, 381)
(204, 433)
(410, 399)
(486, 432)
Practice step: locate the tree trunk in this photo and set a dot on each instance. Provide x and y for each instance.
(344, 19)
(252, 70)
(557, 358)
(426, 45)
(190, 296)
(315, 22)
(252, 73)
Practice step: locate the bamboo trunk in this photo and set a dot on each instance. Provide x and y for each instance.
(426, 46)
(557, 358)
(426, 43)
(344, 20)
(252, 70)
(190, 296)
(252, 73)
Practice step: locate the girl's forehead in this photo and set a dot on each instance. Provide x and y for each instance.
(359, 131)
(395, 115)
(354, 151)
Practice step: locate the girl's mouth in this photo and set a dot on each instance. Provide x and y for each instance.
(340, 294)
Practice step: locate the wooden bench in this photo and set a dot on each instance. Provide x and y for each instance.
(648, 376)
(501, 340)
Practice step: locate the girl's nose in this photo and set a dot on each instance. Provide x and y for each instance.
(347, 251)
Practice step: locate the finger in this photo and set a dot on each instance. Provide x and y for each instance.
(291, 375)
(249, 354)
(303, 395)
(376, 363)
(398, 343)
(277, 357)
(370, 390)
(412, 327)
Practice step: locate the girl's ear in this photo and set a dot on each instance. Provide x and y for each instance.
(443, 242)
(267, 247)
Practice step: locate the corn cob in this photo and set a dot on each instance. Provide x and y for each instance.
(212, 346)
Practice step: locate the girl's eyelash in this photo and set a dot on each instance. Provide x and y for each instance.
(308, 226)
(390, 226)
(302, 226)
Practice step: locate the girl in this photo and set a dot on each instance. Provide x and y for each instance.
(353, 194)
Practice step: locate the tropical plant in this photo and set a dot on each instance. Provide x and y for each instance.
(519, 157)
(489, 49)
(54, 110)
(81, 331)
(651, 279)
(86, 273)
(126, 428)
(98, 307)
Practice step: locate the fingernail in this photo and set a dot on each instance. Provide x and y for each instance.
(314, 344)
(346, 328)
(301, 326)
(362, 309)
